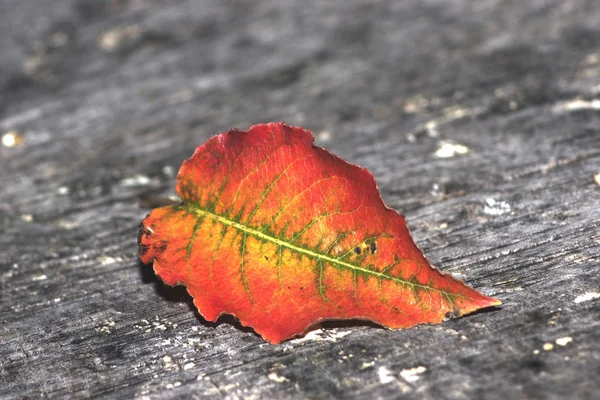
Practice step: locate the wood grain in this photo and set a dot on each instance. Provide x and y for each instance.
(480, 122)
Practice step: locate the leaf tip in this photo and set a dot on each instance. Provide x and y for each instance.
(494, 302)
(484, 303)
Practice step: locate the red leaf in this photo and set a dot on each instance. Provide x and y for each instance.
(282, 234)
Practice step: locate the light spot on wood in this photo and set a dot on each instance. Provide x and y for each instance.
(110, 40)
(548, 347)
(385, 376)
(578, 104)
(277, 378)
(173, 385)
(189, 365)
(136, 181)
(107, 260)
(319, 335)
(168, 364)
(324, 136)
(12, 139)
(494, 207)
(107, 327)
(412, 374)
(448, 150)
(367, 365)
(563, 341)
(587, 297)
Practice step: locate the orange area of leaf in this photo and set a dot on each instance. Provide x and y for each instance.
(283, 234)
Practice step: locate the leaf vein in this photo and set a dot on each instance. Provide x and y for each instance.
(311, 253)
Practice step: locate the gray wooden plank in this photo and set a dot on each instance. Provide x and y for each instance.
(111, 96)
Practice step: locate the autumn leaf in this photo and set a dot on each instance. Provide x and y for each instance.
(282, 234)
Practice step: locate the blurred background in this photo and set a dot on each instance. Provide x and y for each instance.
(479, 119)
(121, 79)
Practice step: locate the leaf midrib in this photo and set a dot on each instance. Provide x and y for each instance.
(261, 235)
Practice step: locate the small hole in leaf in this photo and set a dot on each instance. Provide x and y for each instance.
(373, 247)
(357, 250)
(452, 314)
(267, 258)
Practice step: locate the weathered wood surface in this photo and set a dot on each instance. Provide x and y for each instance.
(111, 96)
